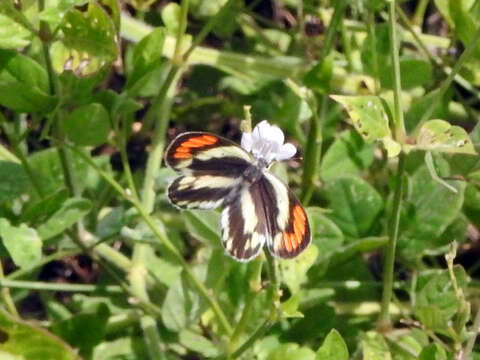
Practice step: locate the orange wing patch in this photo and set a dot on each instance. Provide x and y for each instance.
(184, 150)
(292, 240)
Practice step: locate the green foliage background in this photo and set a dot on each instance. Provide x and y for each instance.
(382, 99)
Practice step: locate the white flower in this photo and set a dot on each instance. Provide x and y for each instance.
(266, 142)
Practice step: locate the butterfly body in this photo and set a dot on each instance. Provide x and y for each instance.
(258, 208)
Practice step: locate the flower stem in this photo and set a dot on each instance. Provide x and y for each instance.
(394, 221)
(393, 229)
(254, 285)
(398, 123)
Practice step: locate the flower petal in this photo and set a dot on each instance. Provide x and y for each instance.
(247, 141)
(287, 151)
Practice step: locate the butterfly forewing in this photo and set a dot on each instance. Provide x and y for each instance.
(212, 167)
(205, 152)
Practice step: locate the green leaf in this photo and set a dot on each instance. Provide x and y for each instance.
(433, 352)
(441, 136)
(326, 236)
(425, 216)
(54, 15)
(15, 67)
(198, 343)
(89, 41)
(320, 76)
(146, 59)
(182, 305)
(204, 226)
(47, 167)
(464, 23)
(333, 347)
(290, 351)
(415, 72)
(375, 347)
(348, 155)
(88, 125)
(171, 15)
(13, 180)
(124, 348)
(71, 211)
(29, 342)
(14, 31)
(355, 205)
(23, 243)
(421, 105)
(84, 330)
(22, 97)
(293, 272)
(289, 308)
(436, 302)
(370, 119)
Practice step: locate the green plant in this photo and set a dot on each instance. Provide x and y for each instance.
(103, 267)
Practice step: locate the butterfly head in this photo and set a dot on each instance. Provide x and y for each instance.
(266, 143)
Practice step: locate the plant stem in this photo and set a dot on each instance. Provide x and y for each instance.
(373, 45)
(419, 14)
(39, 285)
(398, 123)
(254, 286)
(471, 341)
(261, 330)
(6, 297)
(393, 229)
(394, 221)
(274, 303)
(313, 147)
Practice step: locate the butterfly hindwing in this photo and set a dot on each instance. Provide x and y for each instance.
(244, 229)
(289, 230)
(264, 211)
(206, 153)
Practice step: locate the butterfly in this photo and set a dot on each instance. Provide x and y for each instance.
(258, 208)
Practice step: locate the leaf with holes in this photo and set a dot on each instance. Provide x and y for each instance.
(370, 119)
(89, 41)
(439, 135)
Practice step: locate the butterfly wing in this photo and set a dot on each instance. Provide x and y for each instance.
(289, 230)
(211, 168)
(200, 152)
(264, 211)
(244, 229)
